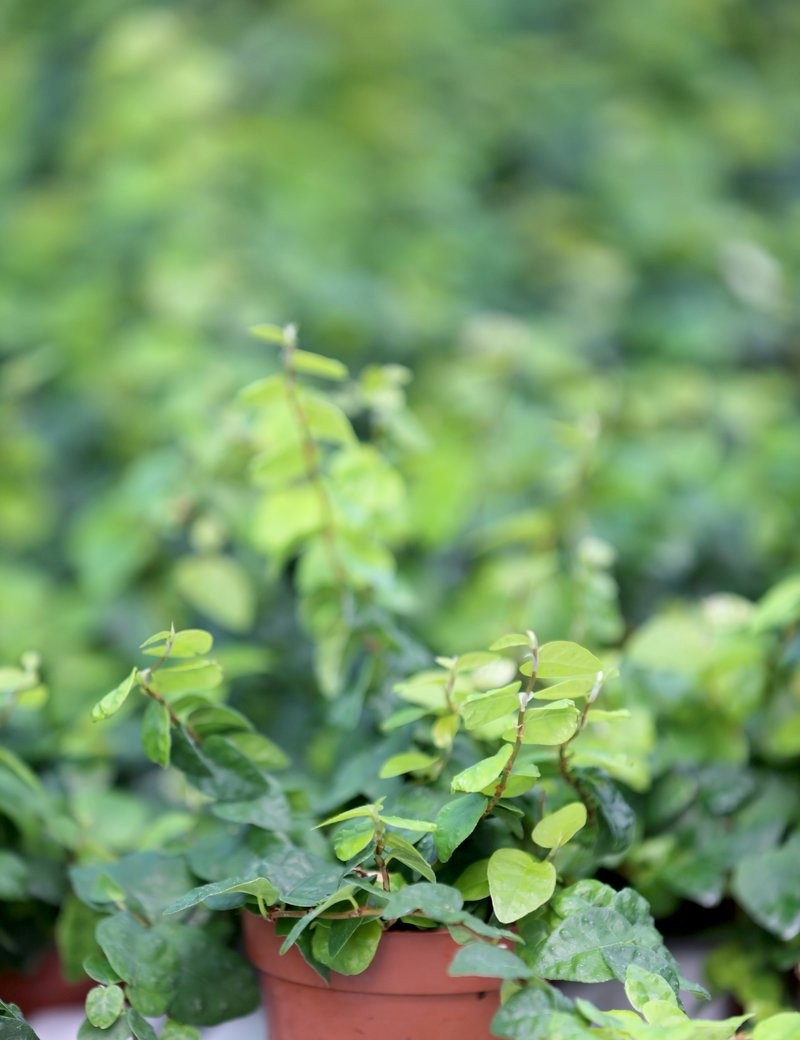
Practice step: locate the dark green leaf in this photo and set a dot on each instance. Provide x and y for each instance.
(480, 958)
(456, 821)
(439, 902)
(139, 1026)
(156, 733)
(767, 886)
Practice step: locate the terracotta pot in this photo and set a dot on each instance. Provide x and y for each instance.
(405, 994)
(43, 986)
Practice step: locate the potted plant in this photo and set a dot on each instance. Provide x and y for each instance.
(57, 807)
(463, 805)
(720, 822)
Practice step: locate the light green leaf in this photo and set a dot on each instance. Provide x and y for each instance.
(351, 839)
(172, 1030)
(112, 702)
(190, 642)
(406, 824)
(473, 883)
(218, 587)
(556, 829)
(487, 707)
(318, 365)
(370, 810)
(269, 334)
(549, 725)
(104, 1005)
(561, 659)
(518, 883)
(512, 639)
(406, 762)
(780, 607)
(477, 776)
(187, 678)
(784, 1026)
(566, 688)
(642, 987)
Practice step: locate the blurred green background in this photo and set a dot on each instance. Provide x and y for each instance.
(576, 223)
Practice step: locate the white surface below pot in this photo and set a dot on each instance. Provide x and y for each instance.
(63, 1023)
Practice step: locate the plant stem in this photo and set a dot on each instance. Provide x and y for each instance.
(563, 755)
(520, 729)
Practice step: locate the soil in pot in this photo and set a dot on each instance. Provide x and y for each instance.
(405, 994)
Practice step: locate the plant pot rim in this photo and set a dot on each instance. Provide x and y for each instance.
(413, 961)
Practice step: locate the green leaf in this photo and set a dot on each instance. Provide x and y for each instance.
(214, 983)
(406, 762)
(112, 702)
(512, 639)
(370, 811)
(406, 824)
(488, 707)
(496, 962)
(220, 588)
(766, 885)
(436, 901)
(538, 1012)
(343, 894)
(518, 883)
(97, 967)
(104, 1005)
(253, 885)
(566, 688)
(14, 876)
(139, 1026)
(352, 838)
(190, 642)
(601, 935)
(187, 678)
(139, 955)
(477, 776)
(780, 607)
(147, 881)
(473, 882)
(353, 956)
(402, 718)
(269, 334)
(318, 365)
(561, 659)
(326, 420)
(119, 1031)
(556, 829)
(172, 1030)
(550, 725)
(784, 1026)
(400, 849)
(156, 733)
(642, 987)
(455, 822)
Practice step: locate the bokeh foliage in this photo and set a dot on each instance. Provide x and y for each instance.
(574, 222)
